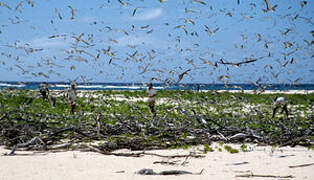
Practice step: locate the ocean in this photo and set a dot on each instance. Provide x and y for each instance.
(157, 86)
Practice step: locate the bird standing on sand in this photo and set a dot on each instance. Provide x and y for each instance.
(280, 102)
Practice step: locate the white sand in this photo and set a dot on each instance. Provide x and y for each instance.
(217, 165)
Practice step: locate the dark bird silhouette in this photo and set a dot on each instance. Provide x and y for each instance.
(284, 33)
(122, 3)
(249, 60)
(303, 3)
(72, 12)
(287, 44)
(268, 7)
(135, 10)
(211, 32)
(182, 75)
(144, 27)
(58, 13)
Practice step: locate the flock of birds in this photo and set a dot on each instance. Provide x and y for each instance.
(107, 57)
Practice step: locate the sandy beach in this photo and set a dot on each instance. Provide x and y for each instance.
(259, 160)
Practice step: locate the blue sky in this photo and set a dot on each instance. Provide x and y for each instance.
(39, 42)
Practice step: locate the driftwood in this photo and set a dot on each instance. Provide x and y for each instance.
(302, 165)
(264, 176)
(168, 172)
(140, 154)
(167, 162)
(24, 144)
(240, 163)
(136, 130)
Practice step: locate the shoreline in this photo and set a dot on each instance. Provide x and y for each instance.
(217, 91)
(270, 91)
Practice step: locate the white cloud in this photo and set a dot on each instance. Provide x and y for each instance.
(133, 40)
(45, 42)
(87, 19)
(149, 14)
(146, 40)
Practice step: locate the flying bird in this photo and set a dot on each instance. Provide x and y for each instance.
(303, 3)
(21, 68)
(190, 11)
(229, 14)
(144, 27)
(18, 5)
(72, 67)
(284, 33)
(222, 77)
(309, 44)
(43, 74)
(259, 37)
(198, 1)
(283, 65)
(268, 7)
(149, 32)
(253, 6)
(113, 40)
(210, 32)
(186, 21)
(72, 12)
(5, 5)
(182, 75)
(287, 44)
(122, 3)
(135, 10)
(205, 61)
(58, 13)
(182, 27)
(248, 60)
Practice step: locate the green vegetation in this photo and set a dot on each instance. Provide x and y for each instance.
(244, 148)
(122, 119)
(230, 149)
(207, 148)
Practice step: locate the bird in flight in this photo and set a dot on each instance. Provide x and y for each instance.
(198, 1)
(5, 5)
(238, 63)
(211, 32)
(182, 75)
(135, 10)
(182, 27)
(268, 7)
(72, 12)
